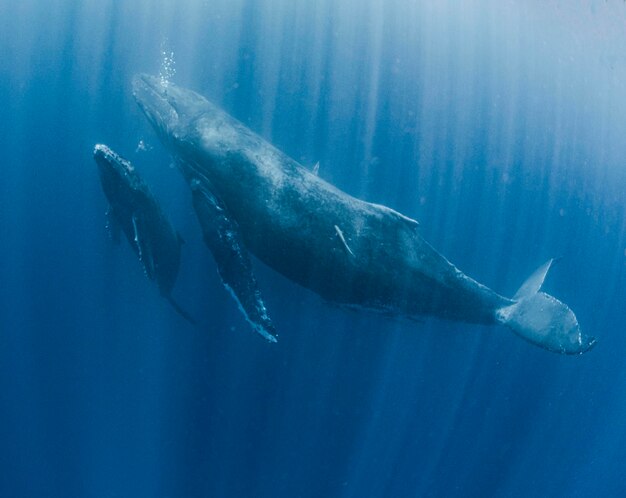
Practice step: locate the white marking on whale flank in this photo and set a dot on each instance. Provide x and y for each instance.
(343, 240)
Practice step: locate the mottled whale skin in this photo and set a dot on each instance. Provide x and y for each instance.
(349, 251)
(134, 210)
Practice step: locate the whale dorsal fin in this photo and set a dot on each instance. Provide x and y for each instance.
(221, 235)
(533, 284)
(395, 214)
(343, 240)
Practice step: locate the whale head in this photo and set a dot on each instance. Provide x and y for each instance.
(169, 108)
(187, 123)
(117, 175)
(202, 137)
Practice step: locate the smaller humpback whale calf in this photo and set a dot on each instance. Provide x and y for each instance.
(134, 210)
(250, 196)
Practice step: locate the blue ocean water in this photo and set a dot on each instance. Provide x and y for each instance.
(499, 125)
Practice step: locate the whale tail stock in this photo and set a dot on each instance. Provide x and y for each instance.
(542, 319)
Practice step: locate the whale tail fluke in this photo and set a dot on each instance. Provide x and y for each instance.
(180, 311)
(542, 319)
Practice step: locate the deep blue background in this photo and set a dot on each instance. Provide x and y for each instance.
(499, 125)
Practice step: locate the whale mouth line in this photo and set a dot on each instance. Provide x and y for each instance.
(150, 84)
(152, 96)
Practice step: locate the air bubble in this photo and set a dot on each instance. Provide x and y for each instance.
(168, 65)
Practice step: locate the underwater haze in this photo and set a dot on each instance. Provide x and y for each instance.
(499, 124)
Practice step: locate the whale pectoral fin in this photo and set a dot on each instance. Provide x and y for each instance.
(143, 247)
(113, 227)
(221, 235)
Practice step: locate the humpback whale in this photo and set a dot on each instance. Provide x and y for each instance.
(134, 210)
(250, 196)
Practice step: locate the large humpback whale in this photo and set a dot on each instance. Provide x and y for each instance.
(134, 210)
(250, 195)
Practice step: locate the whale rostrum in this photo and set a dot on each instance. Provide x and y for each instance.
(350, 252)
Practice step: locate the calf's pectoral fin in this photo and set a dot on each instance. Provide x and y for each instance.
(221, 235)
(144, 251)
(113, 226)
(182, 312)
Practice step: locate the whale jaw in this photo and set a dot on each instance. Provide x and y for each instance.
(169, 108)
